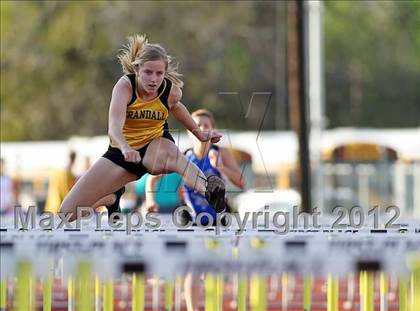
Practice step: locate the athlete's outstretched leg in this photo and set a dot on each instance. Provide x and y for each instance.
(102, 179)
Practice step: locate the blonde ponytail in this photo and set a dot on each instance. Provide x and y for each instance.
(173, 74)
(138, 51)
(130, 52)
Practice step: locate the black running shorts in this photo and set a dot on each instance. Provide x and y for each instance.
(115, 155)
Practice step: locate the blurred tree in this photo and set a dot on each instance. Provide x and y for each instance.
(58, 62)
(372, 58)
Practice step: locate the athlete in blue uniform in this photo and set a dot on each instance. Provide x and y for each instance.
(212, 161)
(194, 199)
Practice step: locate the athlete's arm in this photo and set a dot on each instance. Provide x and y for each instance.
(227, 165)
(121, 95)
(181, 114)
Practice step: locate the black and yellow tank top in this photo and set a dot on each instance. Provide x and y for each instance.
(145, 121)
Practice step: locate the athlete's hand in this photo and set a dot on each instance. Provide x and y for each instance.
(131, 155)
(213, 136)
(152, 207)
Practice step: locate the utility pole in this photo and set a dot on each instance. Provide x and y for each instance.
(297, 90)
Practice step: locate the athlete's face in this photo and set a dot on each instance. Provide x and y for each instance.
(203, 123)
(151, 75)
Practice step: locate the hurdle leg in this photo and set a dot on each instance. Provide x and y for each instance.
(415, 290)
(219, 291)
(284, 291)
(47, 293)
(169, 296)
(383, 291)
(307, 284)
(210, 286)
(70, 294)
(84, 289)
(369, 291)
(108, 295)
(178, 290)
(258, 293)
(403, 294)
(97, 294)
(155, 293)
(137, 292)
(24, 299)
(242, 291)
(3, 293)
(332, 293)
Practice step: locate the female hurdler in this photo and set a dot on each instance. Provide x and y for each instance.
(140, 141)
